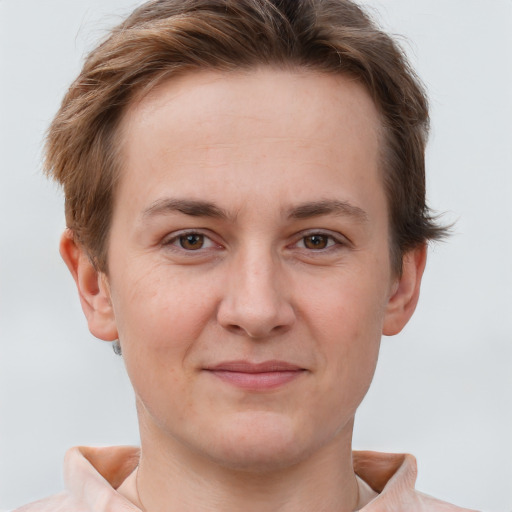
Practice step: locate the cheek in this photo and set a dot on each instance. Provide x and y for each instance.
(160, 315)
(160, 318)
(346, 318)
(350, 309)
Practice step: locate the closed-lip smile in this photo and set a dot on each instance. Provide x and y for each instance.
(256, 376)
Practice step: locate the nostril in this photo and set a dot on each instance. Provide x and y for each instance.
(256, 331)
(236, 329)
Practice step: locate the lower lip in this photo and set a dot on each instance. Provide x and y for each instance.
(258, 381)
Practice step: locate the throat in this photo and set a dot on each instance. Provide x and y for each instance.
(243, 491)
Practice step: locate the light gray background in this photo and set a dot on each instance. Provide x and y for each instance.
(443, 387)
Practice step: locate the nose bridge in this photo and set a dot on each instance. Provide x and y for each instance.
(256, 301)
(256, 267)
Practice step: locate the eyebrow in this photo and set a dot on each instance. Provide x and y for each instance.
(328, 207)
(198, 208)
(190, 207)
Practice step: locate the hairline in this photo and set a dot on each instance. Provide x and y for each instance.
(171, 74)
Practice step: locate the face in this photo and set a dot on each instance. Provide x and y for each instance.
(249, 271)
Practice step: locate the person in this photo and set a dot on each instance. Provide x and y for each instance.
(246, 217)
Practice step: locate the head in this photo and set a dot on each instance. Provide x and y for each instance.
(245, 198)
(166, 39)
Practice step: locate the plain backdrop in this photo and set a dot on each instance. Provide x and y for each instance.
(443, 388)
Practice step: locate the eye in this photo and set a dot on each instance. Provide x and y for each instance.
(317, 241)
(189, 241)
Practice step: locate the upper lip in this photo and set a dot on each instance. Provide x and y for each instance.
(249, 367)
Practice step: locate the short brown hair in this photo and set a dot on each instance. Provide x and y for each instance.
(163, 38)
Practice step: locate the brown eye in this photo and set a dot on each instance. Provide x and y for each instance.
(191, 241)
(316, 241)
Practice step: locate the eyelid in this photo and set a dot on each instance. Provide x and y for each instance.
(170, 240)
(339, 239)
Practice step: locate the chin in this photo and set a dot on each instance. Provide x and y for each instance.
(260, 443)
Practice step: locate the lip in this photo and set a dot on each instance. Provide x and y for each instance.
(256, 376)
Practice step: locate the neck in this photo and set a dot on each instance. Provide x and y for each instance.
(171, 477)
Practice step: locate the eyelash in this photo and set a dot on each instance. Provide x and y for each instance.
(333, 241)
(174, 241)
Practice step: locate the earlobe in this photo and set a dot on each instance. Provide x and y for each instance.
(406, 291)
(92, 286)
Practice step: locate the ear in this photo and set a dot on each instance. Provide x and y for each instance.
(92, 287)
(405, 291)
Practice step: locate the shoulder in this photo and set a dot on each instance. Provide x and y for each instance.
(434, 505)
(92, 476)
(62, 502)
(393, 477)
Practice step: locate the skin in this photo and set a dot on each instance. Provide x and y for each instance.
(274, 178)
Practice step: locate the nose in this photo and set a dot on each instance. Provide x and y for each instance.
(257, 301)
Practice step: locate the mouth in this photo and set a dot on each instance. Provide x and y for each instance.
(256, 376)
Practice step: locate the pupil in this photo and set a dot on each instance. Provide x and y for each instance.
(316, 242)
(192, 241)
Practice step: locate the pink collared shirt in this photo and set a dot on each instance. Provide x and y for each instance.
(92, 476)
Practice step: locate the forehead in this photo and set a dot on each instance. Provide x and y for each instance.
(210, 133)
(258, 95)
